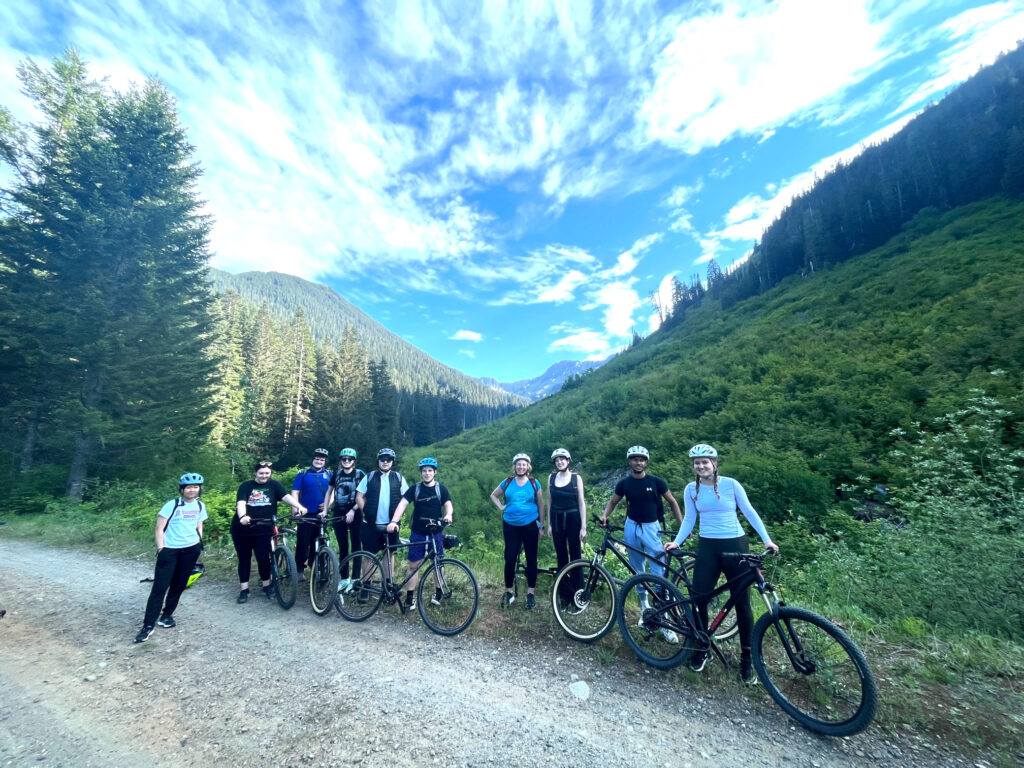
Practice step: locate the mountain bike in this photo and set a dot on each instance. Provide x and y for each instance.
(590, 614)
(284, 574)
(325, 572)
(520, 575)
(808, 665)
(447, 608)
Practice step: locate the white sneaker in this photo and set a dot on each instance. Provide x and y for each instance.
(670, 637)
(343, 585)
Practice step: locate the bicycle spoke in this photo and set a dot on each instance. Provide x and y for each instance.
(583, 600)
(814, 672)
(361, 598)
(654, 621)
(448, 596)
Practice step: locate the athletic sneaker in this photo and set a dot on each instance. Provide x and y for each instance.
(697, 661)
(343, 586)
(508, 600)
(410, 601)
(166, 621)
(436, 599)
(531, 602)
(747, 671)
(243, 596)
(144, 633)
(670, 637)
(268, 591)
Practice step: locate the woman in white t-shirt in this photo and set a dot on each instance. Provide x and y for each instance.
(178, 534)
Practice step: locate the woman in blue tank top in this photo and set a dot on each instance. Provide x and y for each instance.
(522, 523)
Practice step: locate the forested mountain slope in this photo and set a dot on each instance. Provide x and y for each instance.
(799, 388)
(328, 313)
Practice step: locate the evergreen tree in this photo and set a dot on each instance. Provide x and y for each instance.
(107, 212)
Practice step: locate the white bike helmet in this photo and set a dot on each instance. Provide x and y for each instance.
(560, 452)
(522, 456)
(703, 451)
(637, 450)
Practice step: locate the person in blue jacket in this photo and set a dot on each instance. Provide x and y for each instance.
(311, 488)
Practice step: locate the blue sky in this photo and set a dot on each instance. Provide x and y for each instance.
(505, 183)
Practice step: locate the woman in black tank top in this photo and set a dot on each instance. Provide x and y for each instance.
(567, 516)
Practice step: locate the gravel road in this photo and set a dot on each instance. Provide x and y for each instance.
(252, 685)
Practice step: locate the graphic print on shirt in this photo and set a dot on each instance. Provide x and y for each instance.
(259, 497)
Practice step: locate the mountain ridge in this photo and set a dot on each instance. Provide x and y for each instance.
(328, 312)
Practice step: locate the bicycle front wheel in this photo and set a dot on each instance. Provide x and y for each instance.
(814, 671)
(286, 576)
(656, 621)
(365, 591)
(448, 596)
(323, 581)
(589, 613)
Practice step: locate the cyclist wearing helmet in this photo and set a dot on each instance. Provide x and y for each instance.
(255, 503)
(567, 515)
(178, 534)
(310, 487)
(714, 500)
(431, 501)
(341, 500)
(521, 503)
(643, 494)
(377, 496)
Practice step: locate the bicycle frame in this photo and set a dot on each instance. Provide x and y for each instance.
(392, 590)
(608, 544)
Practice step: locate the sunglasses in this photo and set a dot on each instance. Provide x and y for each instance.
(387, 459)
(267, 464)
(346, 459)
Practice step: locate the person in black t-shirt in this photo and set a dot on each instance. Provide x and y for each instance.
(642, 530)
(431, 501)
(256, 501)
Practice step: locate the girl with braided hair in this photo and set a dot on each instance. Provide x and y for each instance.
(715, 499)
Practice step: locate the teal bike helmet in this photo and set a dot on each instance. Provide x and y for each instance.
(191, 478)
(428, 462)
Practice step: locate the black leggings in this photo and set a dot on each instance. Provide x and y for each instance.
(173, 567)
(246, 547)
(706, 571)
(520, 537)
(344, 532)
(565, 533)
(305, 535)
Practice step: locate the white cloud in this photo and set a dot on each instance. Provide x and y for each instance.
(466, 336)
(590, 342)
(467, 352)
(754, 66)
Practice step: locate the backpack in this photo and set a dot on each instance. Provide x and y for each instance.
(507, 480)
(437, 490)
(180, 502)
(346, 502)
(323, 488)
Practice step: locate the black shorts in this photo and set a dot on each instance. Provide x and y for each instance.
(372, 538)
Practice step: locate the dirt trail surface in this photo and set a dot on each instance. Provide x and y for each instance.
(252, 685)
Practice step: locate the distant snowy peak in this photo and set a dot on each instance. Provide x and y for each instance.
(548, 382)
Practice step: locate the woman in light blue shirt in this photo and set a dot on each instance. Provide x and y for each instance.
(178, 535)
(714, 500)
